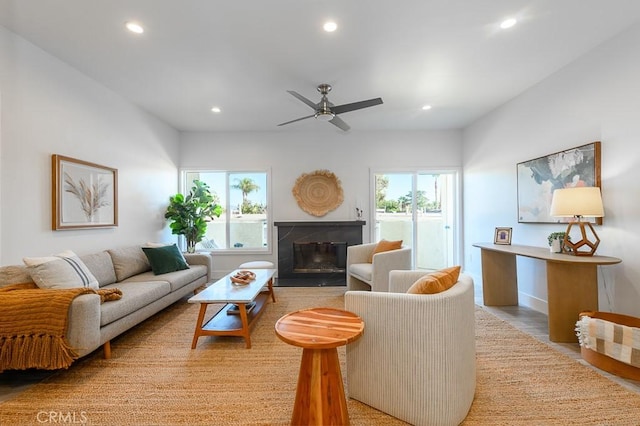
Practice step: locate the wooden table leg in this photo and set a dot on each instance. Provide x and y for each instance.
(242, 307)
(499, 278)
(196, 334)
(273, 294)
(572, 288)
(320, 396)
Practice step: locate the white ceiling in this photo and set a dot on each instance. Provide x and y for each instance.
(244, 55)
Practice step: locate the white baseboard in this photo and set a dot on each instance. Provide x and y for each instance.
(534, 303)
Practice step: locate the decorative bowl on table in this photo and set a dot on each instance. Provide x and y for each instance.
(243, 277)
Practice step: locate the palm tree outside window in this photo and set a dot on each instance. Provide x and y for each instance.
(244, 223)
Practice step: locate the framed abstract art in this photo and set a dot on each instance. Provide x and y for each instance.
(538, 178)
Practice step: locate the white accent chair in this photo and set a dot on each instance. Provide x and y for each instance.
(416, 359)
(374, 276)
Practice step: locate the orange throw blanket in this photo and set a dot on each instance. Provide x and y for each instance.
(33, 324)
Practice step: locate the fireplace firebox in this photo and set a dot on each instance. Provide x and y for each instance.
(311, 257)
(315, 253)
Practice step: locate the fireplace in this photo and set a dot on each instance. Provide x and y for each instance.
(312, 257)
(315, 253)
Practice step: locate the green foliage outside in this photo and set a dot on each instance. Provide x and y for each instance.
(247, 186)
(403, 203)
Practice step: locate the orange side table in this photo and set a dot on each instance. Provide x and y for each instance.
(319, 331)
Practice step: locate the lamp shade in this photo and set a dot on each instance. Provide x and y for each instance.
(579, 201)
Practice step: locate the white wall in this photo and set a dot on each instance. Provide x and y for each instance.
(350, 156)
(595, 98)
(50, 108)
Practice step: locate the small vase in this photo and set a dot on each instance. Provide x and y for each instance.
(555, 246)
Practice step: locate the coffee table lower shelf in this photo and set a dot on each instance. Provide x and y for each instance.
(222, 324)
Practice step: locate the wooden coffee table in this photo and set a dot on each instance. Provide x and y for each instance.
(319, 331)
(244, 304)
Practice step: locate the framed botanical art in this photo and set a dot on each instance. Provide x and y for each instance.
(84, 195)
(538, 178)
(502, 236)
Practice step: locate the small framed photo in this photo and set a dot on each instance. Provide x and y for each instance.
(502, 236)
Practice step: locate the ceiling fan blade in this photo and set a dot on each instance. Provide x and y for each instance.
(297, 119)
(303, 99)
(339, 122)
(355, 105)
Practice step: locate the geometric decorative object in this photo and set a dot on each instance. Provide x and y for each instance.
(318, 193)
(579, 202)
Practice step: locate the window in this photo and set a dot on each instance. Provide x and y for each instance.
(420, 208)
(243, 224)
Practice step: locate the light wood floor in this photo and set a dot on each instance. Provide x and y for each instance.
(525, 319)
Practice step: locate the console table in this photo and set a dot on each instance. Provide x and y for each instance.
(572, 283)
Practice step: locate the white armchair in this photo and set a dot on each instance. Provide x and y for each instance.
(416, 358)
(374, 276)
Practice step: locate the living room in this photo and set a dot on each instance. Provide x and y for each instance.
(48, 106)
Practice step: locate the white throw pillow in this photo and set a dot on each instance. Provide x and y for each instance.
(64, 270)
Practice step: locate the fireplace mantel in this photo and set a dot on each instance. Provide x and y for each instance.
(322, 223)
(348, 231)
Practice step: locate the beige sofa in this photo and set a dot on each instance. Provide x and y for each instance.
(92, 324)
(416, 359)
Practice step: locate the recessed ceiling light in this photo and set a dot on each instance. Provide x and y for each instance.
(426, 107)
(134, 27)
(330, 26)
(508, 23)
(216, 109)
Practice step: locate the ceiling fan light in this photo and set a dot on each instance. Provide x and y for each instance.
(324, 115)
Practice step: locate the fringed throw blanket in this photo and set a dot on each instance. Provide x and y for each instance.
(33, 324)
(616, 341)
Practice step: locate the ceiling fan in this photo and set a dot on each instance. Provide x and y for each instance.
(326, 111)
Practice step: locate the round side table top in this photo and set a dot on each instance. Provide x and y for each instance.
(319, 328)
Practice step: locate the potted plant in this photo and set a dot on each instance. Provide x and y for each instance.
(556, 241)
(189, 215)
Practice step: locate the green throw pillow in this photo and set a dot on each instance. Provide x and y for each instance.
(165, 259)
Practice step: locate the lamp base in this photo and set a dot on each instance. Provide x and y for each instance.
(585, 245)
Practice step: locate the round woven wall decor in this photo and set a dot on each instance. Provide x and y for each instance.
(318, 193)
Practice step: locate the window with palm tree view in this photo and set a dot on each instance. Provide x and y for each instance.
(243, 224)
(421, 209)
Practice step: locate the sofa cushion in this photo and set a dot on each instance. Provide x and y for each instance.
(384, 245)
(101, 267)
(165, 259)
(134, 296)
(129, 261)
(64, 270)
(363, 271)
(176, 279)
(436, 282)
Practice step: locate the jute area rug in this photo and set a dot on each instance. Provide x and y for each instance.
(154, 378)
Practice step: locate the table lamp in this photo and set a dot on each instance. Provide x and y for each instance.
(577, 203)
